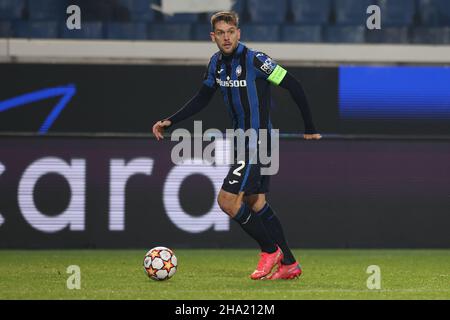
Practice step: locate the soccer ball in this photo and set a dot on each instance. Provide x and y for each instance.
(160, 263)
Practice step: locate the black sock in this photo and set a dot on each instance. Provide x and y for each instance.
(273, 226)
(254, 227)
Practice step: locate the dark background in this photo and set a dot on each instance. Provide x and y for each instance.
(329, 194)
(356, 191)
(116, 98)
(130, 98)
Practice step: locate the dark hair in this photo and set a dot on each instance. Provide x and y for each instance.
(229, 17)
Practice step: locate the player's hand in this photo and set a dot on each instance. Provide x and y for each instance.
(314, 136)
(159, 127)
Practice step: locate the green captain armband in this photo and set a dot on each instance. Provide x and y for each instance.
(277, 75)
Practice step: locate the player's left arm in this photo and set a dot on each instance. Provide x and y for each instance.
(277, 75)
(298, 95)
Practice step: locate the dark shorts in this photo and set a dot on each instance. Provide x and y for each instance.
(246, 177)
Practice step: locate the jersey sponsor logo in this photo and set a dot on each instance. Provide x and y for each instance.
(238, 70)
(231, 83)
(268, 66)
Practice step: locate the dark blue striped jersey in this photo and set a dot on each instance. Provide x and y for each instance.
(244, 80)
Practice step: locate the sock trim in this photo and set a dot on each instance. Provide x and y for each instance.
(238, 217)
(264, 209)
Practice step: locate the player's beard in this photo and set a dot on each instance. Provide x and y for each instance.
(230, 50)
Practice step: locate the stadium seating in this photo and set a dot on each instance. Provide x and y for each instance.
(181, 18)
(126, 30)
(311, 12)
(260, 32)
(388, 35)
(300, 33)
(201, 32)
(47, 10)
(169, 31)
(11, 9)
(239, 6)
(397, 13)
(138, 10)
(99, 10)
(267, 11)
(5, 29)
(351, 12)
(403, 21)
(345, 34)
(90, 30)
(434, 13)
(35, 29)
(436, 35)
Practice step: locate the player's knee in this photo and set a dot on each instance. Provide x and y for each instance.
(228, 206)
(258, 205)
(223, 204)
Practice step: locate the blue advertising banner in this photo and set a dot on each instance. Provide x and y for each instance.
(394, 93)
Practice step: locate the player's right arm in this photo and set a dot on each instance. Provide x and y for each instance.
(193, 106)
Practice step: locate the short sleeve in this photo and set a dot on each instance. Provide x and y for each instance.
(268, 68)
(209, 78)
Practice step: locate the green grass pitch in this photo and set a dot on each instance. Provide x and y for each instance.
(224, 274)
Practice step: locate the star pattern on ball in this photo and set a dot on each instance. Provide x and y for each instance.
(154, 254)
(160, 263)
(151, 271)
(168, 265)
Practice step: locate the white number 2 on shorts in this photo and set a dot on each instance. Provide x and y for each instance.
(236, 171)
